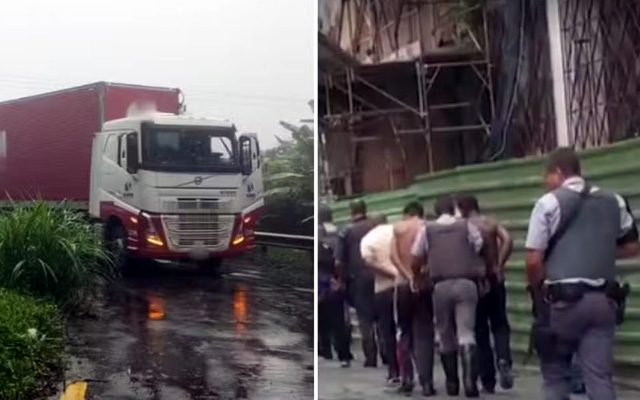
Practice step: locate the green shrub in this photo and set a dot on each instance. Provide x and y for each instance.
(51, 252)
(31, 345)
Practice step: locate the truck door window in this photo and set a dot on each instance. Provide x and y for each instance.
(255, 154)
(127, 143)
(111, 148)
(247, 156)
(132, 153)
(122, 151)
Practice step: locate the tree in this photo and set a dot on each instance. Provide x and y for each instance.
(289, 166)
(288, 171)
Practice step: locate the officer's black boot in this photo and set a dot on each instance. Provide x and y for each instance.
(450, 367)
(469, 371)
(506, 376)
(428, 390)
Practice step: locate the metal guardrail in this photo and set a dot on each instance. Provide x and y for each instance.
(298, 242)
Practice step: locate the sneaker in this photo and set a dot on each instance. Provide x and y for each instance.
(345, 364)
(506, 376)
(393, 382)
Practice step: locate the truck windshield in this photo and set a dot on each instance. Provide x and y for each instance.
(186, 149)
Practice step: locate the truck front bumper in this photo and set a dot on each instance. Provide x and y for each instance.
(163, 254)
(151, 239)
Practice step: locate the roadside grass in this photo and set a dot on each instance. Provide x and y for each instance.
(285, 266)
(52, 265)
(31, 345)
(52, 252)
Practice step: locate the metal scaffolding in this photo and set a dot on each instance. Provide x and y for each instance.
(491, 75)
(404, 95)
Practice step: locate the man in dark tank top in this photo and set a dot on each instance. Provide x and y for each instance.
(491, 315)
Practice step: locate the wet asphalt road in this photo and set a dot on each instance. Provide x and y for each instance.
(176, 334)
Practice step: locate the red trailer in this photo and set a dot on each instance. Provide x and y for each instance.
(45, 140)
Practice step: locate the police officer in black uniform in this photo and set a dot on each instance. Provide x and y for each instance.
(331, 293)
(360, 281)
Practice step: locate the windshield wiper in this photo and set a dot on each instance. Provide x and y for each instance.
(226, 147)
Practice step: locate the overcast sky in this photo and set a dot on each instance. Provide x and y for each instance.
(247, 60)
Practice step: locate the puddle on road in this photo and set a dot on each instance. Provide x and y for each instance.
(240, 308)
(180, 336)
(156, 308)
(283, 379)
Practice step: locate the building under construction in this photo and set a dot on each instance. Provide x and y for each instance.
(411, 87)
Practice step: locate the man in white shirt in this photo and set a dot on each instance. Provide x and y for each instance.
(375, 249)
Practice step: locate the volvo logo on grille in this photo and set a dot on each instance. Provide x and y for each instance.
(198, 180)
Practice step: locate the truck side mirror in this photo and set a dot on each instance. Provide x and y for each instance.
(246, 164)
(133, 164)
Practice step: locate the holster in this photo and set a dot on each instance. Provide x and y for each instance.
(571, 293)
(567, 292)
(618, 293)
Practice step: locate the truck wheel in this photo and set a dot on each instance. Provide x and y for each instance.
(117, 246)
(212, 267)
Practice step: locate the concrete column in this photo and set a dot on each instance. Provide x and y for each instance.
(557, 73)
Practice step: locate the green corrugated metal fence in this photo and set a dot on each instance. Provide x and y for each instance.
(508, 190)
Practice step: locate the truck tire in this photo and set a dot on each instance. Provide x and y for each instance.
(117, 246)
(211, 267)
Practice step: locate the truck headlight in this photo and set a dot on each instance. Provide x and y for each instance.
(238, 240)
(151, 235)
(154, 239)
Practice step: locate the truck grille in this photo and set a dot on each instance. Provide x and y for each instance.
(194, 205)
(186, 231)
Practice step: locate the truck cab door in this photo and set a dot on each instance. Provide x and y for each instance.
(109, 176)
(128, 161)
(251, 164)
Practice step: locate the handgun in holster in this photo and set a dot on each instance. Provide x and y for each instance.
(618, 293)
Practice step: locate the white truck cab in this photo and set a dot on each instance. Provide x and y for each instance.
(176, 187)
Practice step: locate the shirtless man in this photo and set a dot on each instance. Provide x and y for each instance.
(492, 307)
(414, 309)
